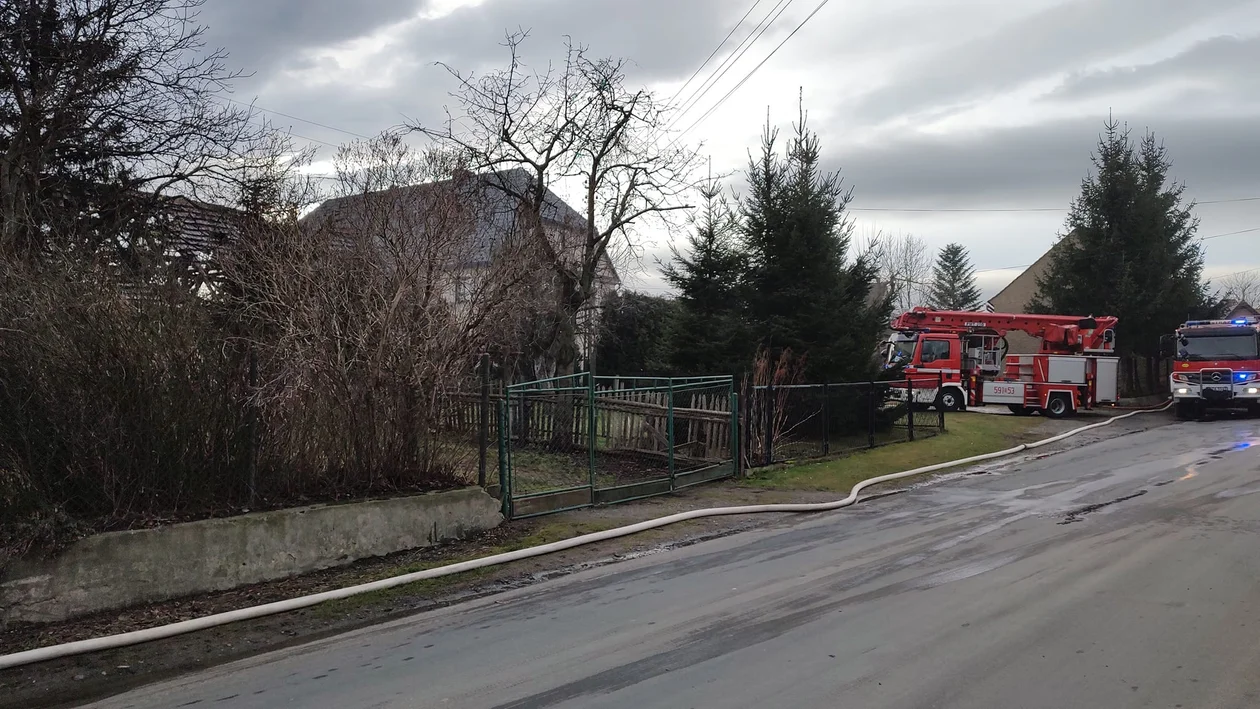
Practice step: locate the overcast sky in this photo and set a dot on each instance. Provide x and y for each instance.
(922, 104)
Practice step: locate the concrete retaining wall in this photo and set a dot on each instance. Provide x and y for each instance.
(121, 569)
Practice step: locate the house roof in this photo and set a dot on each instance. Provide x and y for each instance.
(201, 227)
(1017, 294)
(497, 214)
(1235, 308)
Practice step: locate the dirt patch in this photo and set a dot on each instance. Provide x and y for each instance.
(77, 679)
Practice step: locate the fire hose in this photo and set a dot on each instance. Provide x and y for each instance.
(136, 637)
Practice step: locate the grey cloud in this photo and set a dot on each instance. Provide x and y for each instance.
(1227, 62)
(664, 38)
(470, 38)
(1038, 45)
(1043, 165)
(263, 34)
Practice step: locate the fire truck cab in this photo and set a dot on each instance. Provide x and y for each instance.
(955, 359)
(1216, 364)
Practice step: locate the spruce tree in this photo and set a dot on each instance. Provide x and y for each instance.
(954, 281)
(803, 291)
(1130, 249)
(634, 331)
(708, 335)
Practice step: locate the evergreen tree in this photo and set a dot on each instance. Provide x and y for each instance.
(1130, 249)
(708, 336)
(954, 281)
(803, 293)
(634, 330)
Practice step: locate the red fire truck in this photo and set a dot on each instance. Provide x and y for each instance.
(1216, 364)
(955, 359)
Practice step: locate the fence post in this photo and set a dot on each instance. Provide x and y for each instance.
(745, 423)
(669, 431)
(736, 458)
(505, 432)
(252, 461)
(870, 414)
(940, 410)
(826, 418)
(483, 440)
(910, 409)
(769, 423)
(590, 431)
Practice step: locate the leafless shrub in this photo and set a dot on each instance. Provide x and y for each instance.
(318, 359)
(116, 396)
(368, 317)
(772, 376)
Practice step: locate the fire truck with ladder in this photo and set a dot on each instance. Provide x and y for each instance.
(955, 359)
(1216, 364)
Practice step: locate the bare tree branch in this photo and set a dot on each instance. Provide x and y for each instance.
(536, 132)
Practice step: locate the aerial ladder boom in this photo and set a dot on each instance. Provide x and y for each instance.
(1060, 334)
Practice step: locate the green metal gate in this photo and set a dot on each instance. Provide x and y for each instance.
(577, 441)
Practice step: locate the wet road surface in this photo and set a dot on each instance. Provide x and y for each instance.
(1125, 573)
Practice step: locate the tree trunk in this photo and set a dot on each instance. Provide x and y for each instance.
(564, 353)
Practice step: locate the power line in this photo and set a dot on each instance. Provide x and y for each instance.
(730, 61)
(1007, 268)
(1239, 273)
(297, 118)
(749, 75)
(1232, 233)
(1020, 209)
(956, 209)
(714, 53)
(1227, 201)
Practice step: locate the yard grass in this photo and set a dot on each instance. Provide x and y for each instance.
(544, 533)
(966, 435)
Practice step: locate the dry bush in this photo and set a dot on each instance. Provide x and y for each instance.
(323, 362)
(369, 317)
(117, 398)
(772, 375)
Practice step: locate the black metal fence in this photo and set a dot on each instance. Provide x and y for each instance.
(578, 441)
(801, 421)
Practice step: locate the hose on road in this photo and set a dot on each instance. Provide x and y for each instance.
(136, 637)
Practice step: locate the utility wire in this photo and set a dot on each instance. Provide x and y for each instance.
(749, 75)
(1232, 233)
(1204, 238)
(714, 53)
(297, 118)
(1018, 209)
(956, 209)
(730, 61)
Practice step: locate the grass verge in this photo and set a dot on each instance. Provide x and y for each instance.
(966, 435)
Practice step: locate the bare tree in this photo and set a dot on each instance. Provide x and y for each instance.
(1243, 286)
(105, 105)
(905, 263)
(578, 124)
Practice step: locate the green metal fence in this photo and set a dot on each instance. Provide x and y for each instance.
(577, 441)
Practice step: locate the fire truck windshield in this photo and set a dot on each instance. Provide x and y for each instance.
(1240, 346)
(901, 349)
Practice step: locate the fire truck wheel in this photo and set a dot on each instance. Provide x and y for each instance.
(1059, 406)
(949, 400)
(1020, 410)
(1188, 410)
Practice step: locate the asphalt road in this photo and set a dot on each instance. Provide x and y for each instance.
(1120, 574)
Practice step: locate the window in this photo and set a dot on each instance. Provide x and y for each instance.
(934, 350)
(1230, 346)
